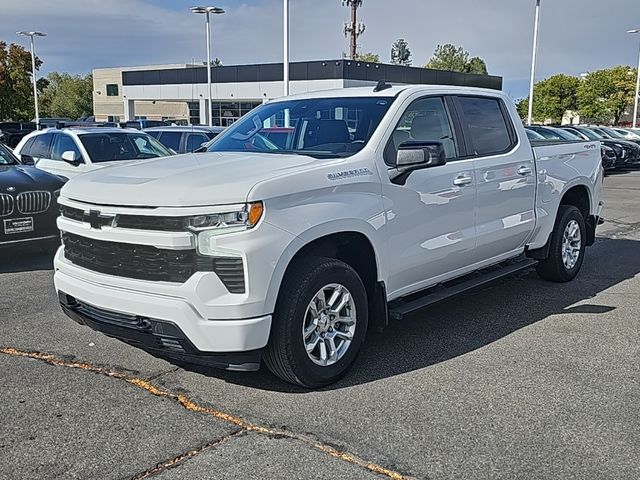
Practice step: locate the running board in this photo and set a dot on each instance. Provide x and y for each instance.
(398, 309)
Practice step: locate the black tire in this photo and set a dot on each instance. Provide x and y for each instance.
(553, 267)
(285, 354)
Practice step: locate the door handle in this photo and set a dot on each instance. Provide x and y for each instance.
(524, 171)
(462, 180)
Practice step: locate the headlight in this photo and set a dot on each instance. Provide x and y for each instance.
(56, 194)
(210, 226)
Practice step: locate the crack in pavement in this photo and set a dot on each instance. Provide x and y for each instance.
(161, 374)
(179, 459)
(192, 406)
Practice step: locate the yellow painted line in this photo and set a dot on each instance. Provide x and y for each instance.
(194, 407)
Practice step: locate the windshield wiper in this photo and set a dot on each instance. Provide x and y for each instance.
(312, 153)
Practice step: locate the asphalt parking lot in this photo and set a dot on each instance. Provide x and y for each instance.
(523, 379)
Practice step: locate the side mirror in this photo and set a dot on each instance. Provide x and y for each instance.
(71, 157)
(416, 155)
(27, 159)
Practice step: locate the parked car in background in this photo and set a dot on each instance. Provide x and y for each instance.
(12, 132)
(628, 152)
(278, 135)
(184, 139)
(609, 156)
(627, 133)
(142, 124)
(531, 135)
(48, 122)
(615, 135)
(553, 133)
(71, 151)
(28, 203)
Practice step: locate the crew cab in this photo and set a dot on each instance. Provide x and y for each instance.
(70, 151)
(290, 251)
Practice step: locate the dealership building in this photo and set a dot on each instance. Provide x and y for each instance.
(179, 92)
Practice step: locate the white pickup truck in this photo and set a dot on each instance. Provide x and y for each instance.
(290, 251)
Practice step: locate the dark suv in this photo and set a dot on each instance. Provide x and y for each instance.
(28, 203)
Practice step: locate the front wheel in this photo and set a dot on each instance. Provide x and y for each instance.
(319, 323)
(566, 251)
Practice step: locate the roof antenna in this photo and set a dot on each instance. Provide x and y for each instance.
(382, 85)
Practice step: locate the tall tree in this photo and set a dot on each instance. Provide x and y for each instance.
(449, 57)
(552, 97)
(476, 65)
(68, 95)
(368, 57)
(16, 87)
(400, 53)
(456, 59)
(605, 95)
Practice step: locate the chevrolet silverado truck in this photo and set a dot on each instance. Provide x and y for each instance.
(380, 202)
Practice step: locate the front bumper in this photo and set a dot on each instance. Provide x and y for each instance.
(208, 333)
(158, 337)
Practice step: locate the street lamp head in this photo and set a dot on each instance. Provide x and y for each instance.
(32, 34)
(214, 10)
(635, 30)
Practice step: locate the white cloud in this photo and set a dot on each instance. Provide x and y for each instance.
(576, 35)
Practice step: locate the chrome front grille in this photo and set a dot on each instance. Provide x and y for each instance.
(33, 202)
(6, 204)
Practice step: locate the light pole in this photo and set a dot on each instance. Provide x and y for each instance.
(635, 104)
(33, 69)
(285, 71)
(533, 62)
(207, 11)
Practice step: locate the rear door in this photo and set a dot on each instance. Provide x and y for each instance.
(505, 176)
(40, 150)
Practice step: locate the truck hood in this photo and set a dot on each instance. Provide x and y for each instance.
(189, 180)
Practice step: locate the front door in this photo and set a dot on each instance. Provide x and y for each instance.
(431, 218)
(56, 165)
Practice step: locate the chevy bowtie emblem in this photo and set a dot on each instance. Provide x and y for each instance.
(96, 220)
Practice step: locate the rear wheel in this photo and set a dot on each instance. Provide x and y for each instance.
(566, 251)
(319, 323)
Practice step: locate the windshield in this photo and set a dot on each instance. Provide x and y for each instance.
(318, 127)
(547, 133)
(601, 132)
(110, 147)
(6, 157)
(564, 134)
(589, 134)
(611, 132)
(533, 135)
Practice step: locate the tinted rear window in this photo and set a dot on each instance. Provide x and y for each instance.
(171, 140)
(40, 147)
(485, 123)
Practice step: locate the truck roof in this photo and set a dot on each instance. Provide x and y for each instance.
(392, 91)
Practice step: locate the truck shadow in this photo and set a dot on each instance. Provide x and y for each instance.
(474, 320)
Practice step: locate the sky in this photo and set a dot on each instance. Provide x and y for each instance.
(576, 36)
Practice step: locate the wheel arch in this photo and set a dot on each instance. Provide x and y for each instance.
(354, 247)
(577, 195)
